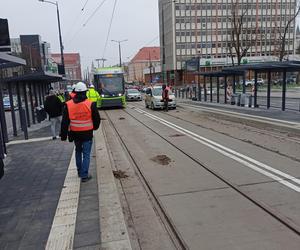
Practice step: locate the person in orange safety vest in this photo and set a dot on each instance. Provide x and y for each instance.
(80, 118)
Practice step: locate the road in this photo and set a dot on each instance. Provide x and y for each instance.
(214, 182)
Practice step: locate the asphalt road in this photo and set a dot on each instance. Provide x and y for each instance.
(195, 162)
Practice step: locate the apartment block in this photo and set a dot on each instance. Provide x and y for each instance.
(206, 28)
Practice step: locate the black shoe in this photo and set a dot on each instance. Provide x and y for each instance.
(54, 138)
(86, 178)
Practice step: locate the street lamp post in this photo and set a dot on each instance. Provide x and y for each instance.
(59, 30)
(119, 42)
(163, 38)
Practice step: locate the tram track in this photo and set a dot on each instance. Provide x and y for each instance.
(255, 130)
(169, 225)
(270, 211)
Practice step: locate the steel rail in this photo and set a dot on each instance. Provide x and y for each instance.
(169, 225)
(273, 213)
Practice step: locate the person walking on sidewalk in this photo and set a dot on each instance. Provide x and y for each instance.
(53, 106)
(80, 118)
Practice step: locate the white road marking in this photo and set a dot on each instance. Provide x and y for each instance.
(29, 140)
(273, 121)
(63, 227)
(243, 159)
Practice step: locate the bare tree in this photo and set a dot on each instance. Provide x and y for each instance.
(283, 32)
(240, 38)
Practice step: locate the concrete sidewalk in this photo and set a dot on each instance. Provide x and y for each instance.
(34, 197)
(29, 192)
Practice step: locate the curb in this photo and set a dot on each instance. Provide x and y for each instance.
(114, 233)
(293, 126)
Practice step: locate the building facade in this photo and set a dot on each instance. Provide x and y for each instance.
(72, 65)
(146, 58)
(207, 29)
(36, 52)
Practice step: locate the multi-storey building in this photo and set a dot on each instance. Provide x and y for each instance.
(205, 29)
(35, 52)
(72, 65)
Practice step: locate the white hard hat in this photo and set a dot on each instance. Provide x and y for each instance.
(80, 87)
(92, 86)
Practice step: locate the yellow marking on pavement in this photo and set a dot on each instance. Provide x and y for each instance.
(63, 227)
(29, 140)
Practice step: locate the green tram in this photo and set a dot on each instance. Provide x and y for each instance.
(110, 84)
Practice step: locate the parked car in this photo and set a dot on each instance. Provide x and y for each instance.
(260, 81)
(249, 83)
(153, 98)
(133, 95)
(291, 80)
(6, 103)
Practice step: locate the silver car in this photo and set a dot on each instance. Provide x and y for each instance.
(153, 98)
(133, 95)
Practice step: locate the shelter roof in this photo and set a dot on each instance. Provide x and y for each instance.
(8, 61)
(36, 76)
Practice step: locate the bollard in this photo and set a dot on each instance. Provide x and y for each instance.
(24, 123)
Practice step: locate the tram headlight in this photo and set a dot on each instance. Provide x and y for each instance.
(120, 94)
(102, 95)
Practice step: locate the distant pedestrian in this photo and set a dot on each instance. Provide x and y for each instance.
(53, 106)
(93, 95)
(80, 118)
(61, 96)
(165, 97)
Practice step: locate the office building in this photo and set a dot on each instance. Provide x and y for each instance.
(204, 29)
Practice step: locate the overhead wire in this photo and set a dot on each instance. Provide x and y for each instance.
(82, 9)
(109, 29)
(88, 19)
(76, 19)
(94, 13)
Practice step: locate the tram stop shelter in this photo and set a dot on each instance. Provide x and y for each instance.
(268, 68)
(6, 61)
(26, 94)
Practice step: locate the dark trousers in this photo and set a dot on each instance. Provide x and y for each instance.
(166, 104)
(82, 156)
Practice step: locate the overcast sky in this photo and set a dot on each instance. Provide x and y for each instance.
(135, 20)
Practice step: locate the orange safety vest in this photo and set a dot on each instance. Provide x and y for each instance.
(80, 115)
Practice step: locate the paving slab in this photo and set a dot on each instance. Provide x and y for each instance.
(87, 232)
(30, 190)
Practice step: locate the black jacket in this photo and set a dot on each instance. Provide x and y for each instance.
(53, 106)
(79, 135)
(1, 168)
